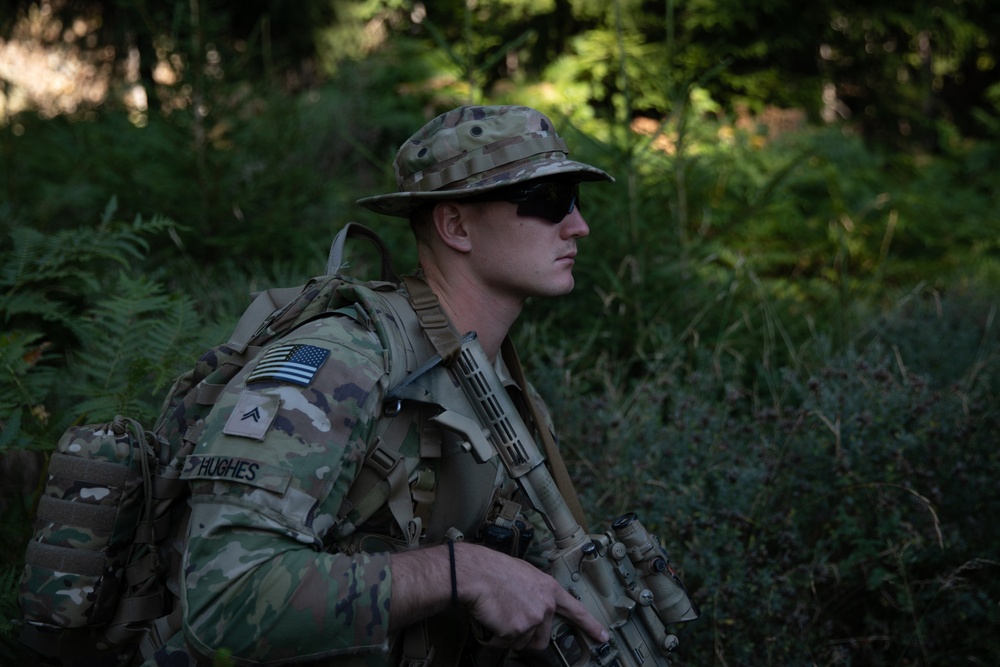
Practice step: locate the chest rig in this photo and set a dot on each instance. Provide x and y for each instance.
(433, 489)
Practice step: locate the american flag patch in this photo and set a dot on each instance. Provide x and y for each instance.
(290, 363)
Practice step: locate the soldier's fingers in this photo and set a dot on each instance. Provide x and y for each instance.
(575, 611)
(539, 639)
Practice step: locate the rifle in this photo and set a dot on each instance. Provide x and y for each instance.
(622, 576)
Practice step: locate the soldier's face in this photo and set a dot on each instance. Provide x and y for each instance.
(522, 256)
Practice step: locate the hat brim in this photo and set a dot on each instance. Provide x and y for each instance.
(402, 204)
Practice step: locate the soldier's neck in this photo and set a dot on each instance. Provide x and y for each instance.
(472, 307)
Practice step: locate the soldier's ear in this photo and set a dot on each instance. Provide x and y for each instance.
(450, 223)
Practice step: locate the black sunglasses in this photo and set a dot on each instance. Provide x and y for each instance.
(549, 200)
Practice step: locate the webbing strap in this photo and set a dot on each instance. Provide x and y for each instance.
(161, 525)
(99, 473)
(417, 649)
(149, 532)
(144, 533)
(432, 319)
(99, 518)
(141, 570)
(208, 394)
(140, 608)
(400, 306)
(260, 309)
(409, 504)
(62, 559)
(423, 492)
(122, 634)
(128, 623)
(401, 505)
(160, 631)
(555, 460)
(384, 462)
(165, 488)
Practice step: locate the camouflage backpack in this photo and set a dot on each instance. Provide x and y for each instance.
(94, 588)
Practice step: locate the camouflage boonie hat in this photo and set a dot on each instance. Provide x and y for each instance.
(471, 150)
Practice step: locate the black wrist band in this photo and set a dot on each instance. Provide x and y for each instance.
(454, 579)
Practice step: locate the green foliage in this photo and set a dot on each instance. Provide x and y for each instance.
(9, 581)
(85, 338)
(837, 520)
(275, 178)
(895, 69)
(144, 336)
(794, 237)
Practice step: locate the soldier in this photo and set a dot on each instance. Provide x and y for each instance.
(275, 568)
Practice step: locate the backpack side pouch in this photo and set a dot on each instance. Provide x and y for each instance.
(100, 477)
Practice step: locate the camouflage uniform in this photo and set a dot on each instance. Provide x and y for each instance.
(270, 571)
(258, 577)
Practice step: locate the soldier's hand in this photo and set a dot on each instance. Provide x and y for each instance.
(510, 598)
(514, 600)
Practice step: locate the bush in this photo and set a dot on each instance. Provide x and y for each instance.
(841, 519)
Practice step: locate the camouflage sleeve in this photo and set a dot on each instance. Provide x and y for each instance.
(272, 465)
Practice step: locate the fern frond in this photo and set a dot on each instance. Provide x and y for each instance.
(26, 382)
(28, 303)
(111, 341)
(23, 381)
(174, 340)
(132, 344)
(79, 255)
(24, 244)
(113, 350)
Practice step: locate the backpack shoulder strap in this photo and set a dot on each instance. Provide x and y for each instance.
(264, 304)
(407, 347)
(432, 319)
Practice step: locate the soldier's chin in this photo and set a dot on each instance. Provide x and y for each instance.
(565, 283)
(555, 291)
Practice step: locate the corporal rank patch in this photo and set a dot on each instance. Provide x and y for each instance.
(252, 416)
(296, 364)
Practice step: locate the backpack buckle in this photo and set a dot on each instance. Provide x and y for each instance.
(382, 458)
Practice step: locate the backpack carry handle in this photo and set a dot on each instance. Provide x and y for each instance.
(335, 261)
(266, 303)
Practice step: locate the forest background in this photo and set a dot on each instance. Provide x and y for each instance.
(782, 351)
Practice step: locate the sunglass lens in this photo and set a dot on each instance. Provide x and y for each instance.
(551, 201)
